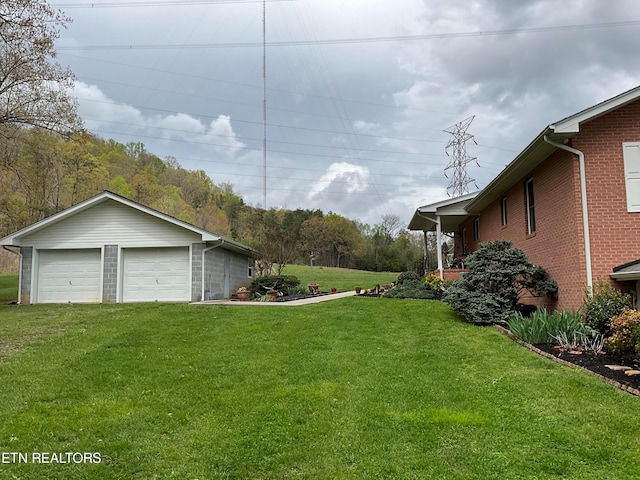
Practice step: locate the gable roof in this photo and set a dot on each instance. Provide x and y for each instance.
(451, 212)
(539, 150)
(14, 238)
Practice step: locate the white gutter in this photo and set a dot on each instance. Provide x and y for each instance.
(585, 213)
(19, 271)
(438, 240)
(203, 269)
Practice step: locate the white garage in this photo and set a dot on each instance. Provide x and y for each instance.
(156, 275)
(110, 249)
(69, 276)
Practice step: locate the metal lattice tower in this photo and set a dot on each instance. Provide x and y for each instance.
(457, 150)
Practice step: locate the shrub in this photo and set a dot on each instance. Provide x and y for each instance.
(407, 276)
(282, 283)
(602, 305)
(544, 327)
(625, 333)
(434, 282)
(411, 289)
(499, 273)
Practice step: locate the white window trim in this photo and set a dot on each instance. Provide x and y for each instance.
(631, 158)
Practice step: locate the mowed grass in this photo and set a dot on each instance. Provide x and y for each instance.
(357, 388)
(8, 287)
(343, 279)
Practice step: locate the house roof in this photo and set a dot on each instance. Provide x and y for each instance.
(627, 271)
(451, 212)
(538, 150)
(14, 238)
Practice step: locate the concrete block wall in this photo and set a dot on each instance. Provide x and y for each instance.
(196, 271)
(110, 274)
(26, 275)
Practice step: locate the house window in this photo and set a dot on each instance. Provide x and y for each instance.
(250, 265)
(504, 212)
(631, 154)
(464, 241)
(531, 211)
(476, 229)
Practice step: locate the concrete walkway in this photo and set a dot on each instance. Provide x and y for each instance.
(292, 303)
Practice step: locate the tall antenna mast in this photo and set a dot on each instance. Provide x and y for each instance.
(459, 158)
(264, 101)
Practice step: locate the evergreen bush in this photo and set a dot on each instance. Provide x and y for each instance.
(407, 277)
(601, 305)
(489, 292)
(411, 289)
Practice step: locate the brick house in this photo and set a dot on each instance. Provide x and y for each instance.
(570, 200)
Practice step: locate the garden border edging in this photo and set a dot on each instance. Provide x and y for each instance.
(626, 388)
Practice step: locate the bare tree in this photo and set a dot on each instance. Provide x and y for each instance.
(34, 89)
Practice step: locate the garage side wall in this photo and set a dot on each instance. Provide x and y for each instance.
(224, 273)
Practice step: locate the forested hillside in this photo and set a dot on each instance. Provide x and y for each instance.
(43, 172)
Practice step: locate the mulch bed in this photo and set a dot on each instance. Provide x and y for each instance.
(592, 363)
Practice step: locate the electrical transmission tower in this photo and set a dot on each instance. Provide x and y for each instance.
(459, 158)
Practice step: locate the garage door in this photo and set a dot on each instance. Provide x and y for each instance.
(68, 276)
(156, 274)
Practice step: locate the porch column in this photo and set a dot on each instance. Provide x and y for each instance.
(439, 247)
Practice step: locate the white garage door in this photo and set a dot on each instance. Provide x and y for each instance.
(156, 274)
(69, 276)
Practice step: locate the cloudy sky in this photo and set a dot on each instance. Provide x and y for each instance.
(359, 93)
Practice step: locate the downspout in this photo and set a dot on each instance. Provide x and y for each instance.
(203, 264)
(19, 271)
(585, 213)
(438, 241)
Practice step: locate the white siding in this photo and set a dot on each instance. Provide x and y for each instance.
(111, 223)
(631, 153)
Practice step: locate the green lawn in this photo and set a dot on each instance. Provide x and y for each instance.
(358, 388)
(341, 278)
(8, 288)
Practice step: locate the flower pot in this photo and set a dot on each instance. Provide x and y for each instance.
(243, 295)
(358, 290)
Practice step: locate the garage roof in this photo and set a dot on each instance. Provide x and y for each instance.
(14, 238)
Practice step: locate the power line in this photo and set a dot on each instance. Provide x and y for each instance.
(168, 3)
(343, 41)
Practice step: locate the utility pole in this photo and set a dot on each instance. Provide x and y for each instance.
(459, 158)
(264, 102)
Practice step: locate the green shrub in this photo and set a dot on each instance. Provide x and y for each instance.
(282, 283)
(297, 290)
(602, 305)
(625, 333)
(544, 327)
(411, 289)
(407, 277)
(499, 273)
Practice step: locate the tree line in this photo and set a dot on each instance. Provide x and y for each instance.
(43, 172)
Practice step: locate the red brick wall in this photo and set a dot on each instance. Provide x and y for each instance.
(558, 243)
(615, 233)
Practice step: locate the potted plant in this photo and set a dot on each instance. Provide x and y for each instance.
(313, 288)
(358, 290)
(243, 293)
